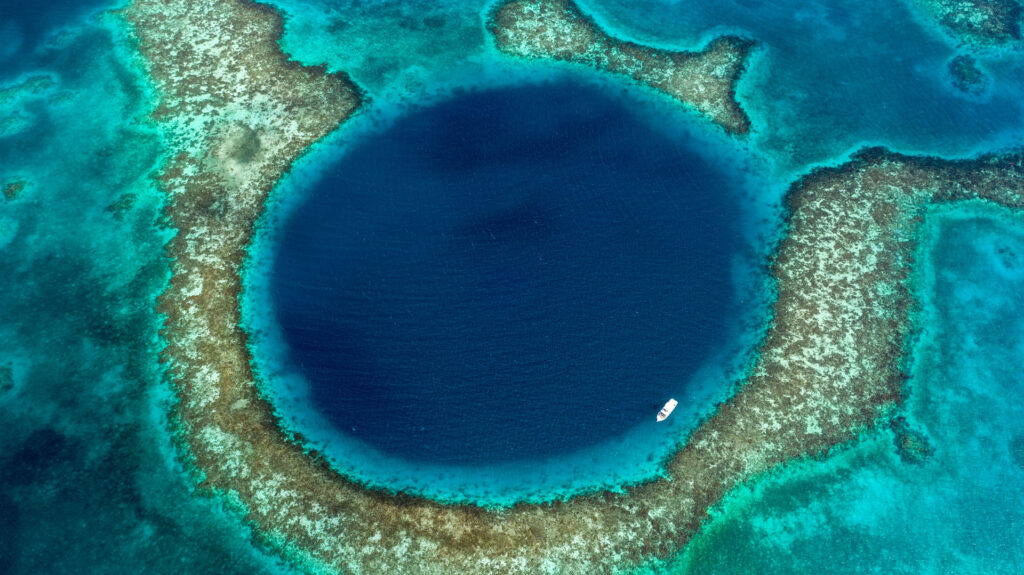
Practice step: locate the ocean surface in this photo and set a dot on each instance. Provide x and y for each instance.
(498, 282)
(90, 481)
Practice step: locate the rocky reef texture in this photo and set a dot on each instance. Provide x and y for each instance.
(120, 208)
(14, 188)
(912, 445)
(236, 113)
(559, 30)
(967, 77)
(977, 22)
(14, 117)
(36, 85)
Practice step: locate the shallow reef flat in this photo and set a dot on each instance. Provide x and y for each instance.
(13, 117)
(31, 86)
(237, 113)
(977, 22)
(559, 30)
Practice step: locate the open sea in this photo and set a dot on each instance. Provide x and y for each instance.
(484, 286)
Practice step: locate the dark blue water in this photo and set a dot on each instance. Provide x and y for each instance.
(25, 26)
(513, 274)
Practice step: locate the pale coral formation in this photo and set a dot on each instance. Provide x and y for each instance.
(977, 22)
(559, 30)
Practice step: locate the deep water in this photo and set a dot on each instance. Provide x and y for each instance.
(487, 299)
(512, 274)
(89, 476)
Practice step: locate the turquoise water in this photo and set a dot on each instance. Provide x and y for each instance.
(829, 76)
(839, 75)
(89, 479)
(86, 461)
(866, 510)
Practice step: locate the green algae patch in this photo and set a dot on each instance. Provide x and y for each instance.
(236, 113)
(977, 22)
(558, 29)
(14, 188)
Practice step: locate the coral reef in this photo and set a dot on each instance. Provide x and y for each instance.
(14, 188)
(31, 86)
(236, 114)
(967, 77)
(120, 208)
(559, 30)
(14, 117)
(912, 445)
(977, 22)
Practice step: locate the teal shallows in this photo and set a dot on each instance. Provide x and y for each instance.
(828, 77)
(625, 460)
(89, 480)
(865, 509)
(832, 76)
(389, 48)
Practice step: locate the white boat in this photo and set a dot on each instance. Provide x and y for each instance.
(667, 410)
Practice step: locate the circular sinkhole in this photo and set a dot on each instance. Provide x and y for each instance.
(513, 275)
